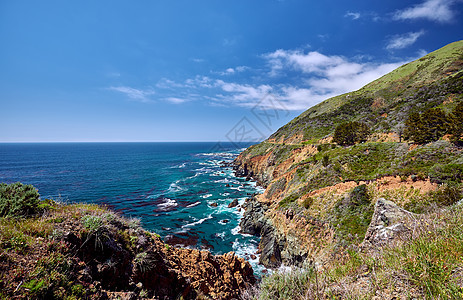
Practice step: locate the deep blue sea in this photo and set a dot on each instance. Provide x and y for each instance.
(169, 186)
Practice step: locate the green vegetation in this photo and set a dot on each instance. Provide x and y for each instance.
(352, 216)
(351, 133)
(17, 199)
(425, 265)
(433, 124)
(457, 124)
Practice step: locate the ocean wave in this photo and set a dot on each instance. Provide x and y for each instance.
(193, 204)
(165, 205)
(206, 196)
(181, 166)
(197, 222)
(174, 187)
(222, 154)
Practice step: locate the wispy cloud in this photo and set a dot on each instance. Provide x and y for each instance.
(305, 79)
(176, 100)
(432, 10)
(243, 94)
(134, 94)
(352, 15)
(231, 71)
(403, 40)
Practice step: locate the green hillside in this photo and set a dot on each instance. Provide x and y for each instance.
(421, 84)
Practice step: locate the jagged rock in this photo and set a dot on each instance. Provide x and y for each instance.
(387, 223)
(254, 217)
(214, 204)
(271, 246)
(233, 203)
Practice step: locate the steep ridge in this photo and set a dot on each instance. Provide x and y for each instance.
(320, 196)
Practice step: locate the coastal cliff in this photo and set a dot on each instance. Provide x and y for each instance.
(321, 188)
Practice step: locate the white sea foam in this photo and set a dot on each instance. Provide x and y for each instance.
(248, 251)
(197, 222)
(206, 196)
(168, 203)
(193, 204)
(174, 187)
(236, 230)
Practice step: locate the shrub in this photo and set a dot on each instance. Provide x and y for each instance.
(351, 133)
(288, 200)
(326, 160)
(293, 284)
(17, 199)
(447, 195)
(144, 262)
(307, 202)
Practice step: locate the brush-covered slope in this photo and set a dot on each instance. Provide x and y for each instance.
(320, 195)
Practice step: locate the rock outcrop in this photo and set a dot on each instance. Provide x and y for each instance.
(387, 223)
(283, 236)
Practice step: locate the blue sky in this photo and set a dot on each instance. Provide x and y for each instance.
(197, 70)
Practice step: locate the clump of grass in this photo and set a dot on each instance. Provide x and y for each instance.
(144, 262)
(293, 284)
(94, 228)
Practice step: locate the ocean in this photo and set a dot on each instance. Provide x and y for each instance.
(180, 191)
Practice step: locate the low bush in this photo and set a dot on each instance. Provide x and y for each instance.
(18, 199)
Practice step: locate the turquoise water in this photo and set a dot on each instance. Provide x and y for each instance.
(169, 186)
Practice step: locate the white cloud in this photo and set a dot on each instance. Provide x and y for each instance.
(176, 100)
(307, 78)
(403, 40)
(352, 15)
(132, 93)
(165, 83)
(231, 71)
(243, 94)
(433, 10)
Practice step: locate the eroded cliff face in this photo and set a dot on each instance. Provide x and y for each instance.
(307, 214)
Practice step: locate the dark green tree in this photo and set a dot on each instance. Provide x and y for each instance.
(427, 127)
(350, 133)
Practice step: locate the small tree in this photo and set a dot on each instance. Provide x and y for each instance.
(350, 133)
